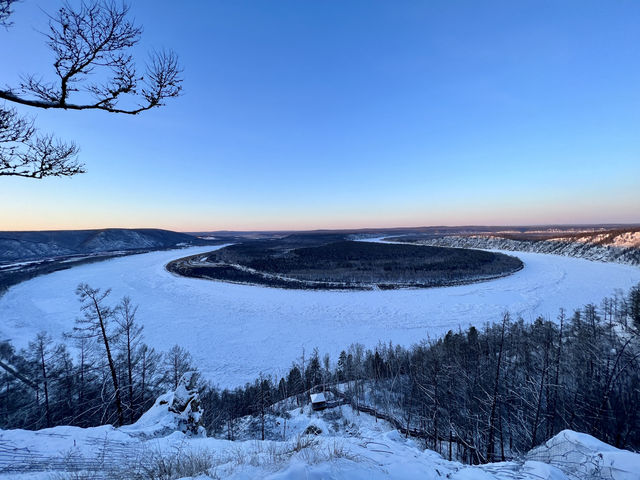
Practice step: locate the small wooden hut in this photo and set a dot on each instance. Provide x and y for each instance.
(318, 401)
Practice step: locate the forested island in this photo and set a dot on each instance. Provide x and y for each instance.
(328, 263)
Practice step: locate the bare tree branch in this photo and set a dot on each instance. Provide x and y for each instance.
(94, 40)
(92, 70)
(23, 153)
(5, 12)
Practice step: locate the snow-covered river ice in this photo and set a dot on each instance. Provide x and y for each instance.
(234, 332)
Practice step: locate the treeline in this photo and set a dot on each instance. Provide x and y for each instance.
(102, 372)
(478, 395)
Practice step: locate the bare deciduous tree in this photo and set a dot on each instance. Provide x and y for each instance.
(131, 336)
(93, 69)
(177, 362)
(95, 324)
(40, 353)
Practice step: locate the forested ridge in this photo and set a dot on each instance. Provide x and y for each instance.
(478, 395)
(601, 248)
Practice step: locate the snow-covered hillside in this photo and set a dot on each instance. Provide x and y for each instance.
(21, 246)
(236, 331)
(333, 444)
(620, 248)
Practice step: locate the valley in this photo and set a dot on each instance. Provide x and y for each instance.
(234, 331)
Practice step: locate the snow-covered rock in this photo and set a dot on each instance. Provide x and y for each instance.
(177, 411)
(186, 406)
(582, 456)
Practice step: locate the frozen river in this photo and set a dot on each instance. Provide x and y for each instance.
(234, 332)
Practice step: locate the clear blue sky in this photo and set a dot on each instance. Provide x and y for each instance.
(338, 113)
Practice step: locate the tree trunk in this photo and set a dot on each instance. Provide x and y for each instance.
(556, 383)
(130, 372)
(45, 384)
(112, 368)
(494, 402)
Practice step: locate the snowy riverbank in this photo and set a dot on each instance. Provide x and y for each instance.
(236, 331)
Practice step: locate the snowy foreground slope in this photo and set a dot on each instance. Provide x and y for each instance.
(345, 445)
(234, 332)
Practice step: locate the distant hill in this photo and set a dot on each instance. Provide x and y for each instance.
(619, 245)
(25, 246)
(529, 231)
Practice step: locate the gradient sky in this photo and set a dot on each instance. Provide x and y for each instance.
(337, 113)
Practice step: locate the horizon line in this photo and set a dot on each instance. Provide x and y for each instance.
(354, 229)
